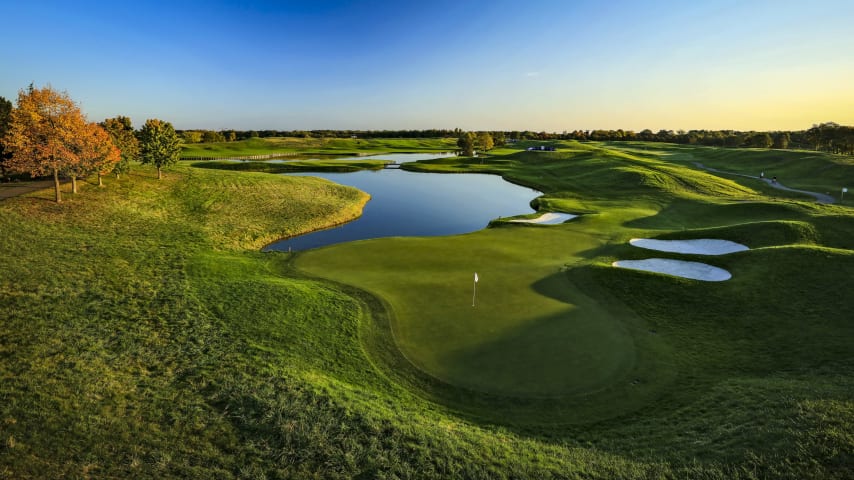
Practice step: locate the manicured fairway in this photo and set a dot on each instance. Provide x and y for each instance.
(323, 146)
(144, 335)
(531, 332)
(545, 330)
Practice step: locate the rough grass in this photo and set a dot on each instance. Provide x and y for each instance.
(143, 336)
(293, 166)
(800, 169)
(323, 146)
(252, 210)
(476, 363)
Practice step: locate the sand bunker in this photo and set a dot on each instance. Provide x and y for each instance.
(679, 268)
(549, 218)
(702, 246)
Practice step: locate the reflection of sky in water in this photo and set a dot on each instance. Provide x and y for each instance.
(419, 204)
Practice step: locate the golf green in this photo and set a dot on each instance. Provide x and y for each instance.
(530, 332)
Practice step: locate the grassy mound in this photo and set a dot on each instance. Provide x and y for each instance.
(430, 289)
(804, 170)
(142, 335)
(294, 166)
(593, 352)
(252, 210)
(757, 234)
(322, 146)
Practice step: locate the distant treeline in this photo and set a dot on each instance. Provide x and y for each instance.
(210, 136)
(828, 137)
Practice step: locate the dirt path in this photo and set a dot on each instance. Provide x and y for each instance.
(13, 189)
(819, 197)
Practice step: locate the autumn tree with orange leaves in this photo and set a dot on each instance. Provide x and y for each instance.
(97, 152)
(5, 113)
(48, 135)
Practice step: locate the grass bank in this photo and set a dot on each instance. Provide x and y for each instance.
(800, 169)
(561, 340)
(292, 166)
(316, 146)
(144, 336)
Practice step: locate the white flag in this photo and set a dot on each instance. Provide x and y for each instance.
(475, 277)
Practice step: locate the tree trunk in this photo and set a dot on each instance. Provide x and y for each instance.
(74, 184)
(159, 174)
(100, 183)
(56, 185)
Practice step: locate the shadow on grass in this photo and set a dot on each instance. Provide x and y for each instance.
(545, 376)
(682, 214)
(552, 356)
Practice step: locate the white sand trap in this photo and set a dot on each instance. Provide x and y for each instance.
(679, 268)
(702, 246)
(549, 218)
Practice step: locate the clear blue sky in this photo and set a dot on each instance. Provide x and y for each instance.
(535, 65)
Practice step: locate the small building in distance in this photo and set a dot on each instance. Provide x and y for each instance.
(542, 148)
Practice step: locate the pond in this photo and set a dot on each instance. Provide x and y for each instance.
(418, 204)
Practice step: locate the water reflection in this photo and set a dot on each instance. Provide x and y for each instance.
(418, 204)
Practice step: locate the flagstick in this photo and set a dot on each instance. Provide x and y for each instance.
(474, 290)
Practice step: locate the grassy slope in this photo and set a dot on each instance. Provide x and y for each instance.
(501, 349)
(110, 358)
(148, 342)
(327, 146)
(137, 342)
(293, 166)
(800, 169)
(479, 348)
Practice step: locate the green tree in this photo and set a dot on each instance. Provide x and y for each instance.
(499, 139)
(121, 132)
(209, 136)
(466, 144)
(848, 140)
(781, 140)
(485, 141)
(821, 136)
(646, 135)
(192, 136)
(761, 140)
(159, 145)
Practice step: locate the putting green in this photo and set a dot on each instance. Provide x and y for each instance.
(531, 333)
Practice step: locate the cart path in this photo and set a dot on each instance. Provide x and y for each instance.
(14, 189)
(819, 197)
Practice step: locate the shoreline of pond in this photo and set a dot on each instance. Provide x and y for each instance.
(467, 204)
